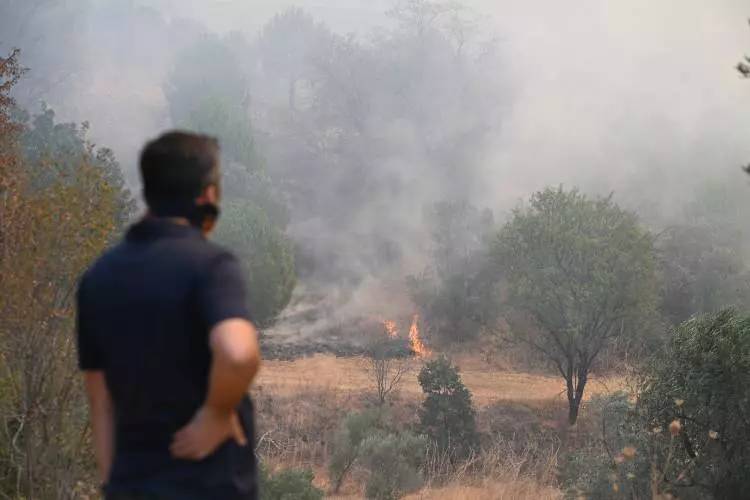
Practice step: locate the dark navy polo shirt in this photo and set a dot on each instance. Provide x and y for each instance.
(145, 310)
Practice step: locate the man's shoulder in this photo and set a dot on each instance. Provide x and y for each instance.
(205, 252)
(197, 253)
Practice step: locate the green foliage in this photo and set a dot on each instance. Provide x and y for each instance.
(207, 92)
(289, 484)
(688, 430)
(583, 271)
(702, 272)
(347, 443)
(54, 151)
(61, 203)
(220, 107)
(603, 467)
(702, 379)
(267, 256)
(457, 294)
(447, 415)
(391, 457)
(704, 258)
(393, 461)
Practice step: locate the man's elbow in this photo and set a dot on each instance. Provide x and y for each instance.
(235, 342)
(243, 358)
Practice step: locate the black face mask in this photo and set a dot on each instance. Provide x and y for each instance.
(196, 214)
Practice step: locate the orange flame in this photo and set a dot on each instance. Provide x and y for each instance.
(390, 328)
(417, 345)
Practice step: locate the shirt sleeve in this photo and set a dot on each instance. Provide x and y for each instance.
(89, 356)
(222, 294)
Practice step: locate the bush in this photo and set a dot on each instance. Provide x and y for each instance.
(615, 463)
(391, 458)
(687, 435)
(393, 461)
(702, 381)
(290, 484)
(447, 415)
(355, 428)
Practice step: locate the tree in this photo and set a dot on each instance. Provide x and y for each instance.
(456, 294)
(385, 120)
(286, 47)
(702, 380)
(583, 271)
(703, 258)
(254, 216)
(266, 255)
(447, 415)
(387, 362)
(217, 106)
(57, 213)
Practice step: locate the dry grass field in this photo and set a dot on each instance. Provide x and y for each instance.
(488, 384)
(301, 402)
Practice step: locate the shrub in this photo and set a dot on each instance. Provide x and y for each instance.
(355, 428)
(290, 484)
(391, 458)
(447, 415)
(616, 461)
(702, 381)
(393, 461)
(687, 435)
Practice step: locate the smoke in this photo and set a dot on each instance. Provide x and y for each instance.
(633, 97)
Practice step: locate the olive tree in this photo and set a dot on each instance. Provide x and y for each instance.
(583, 271)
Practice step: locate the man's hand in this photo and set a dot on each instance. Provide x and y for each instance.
(236, 357)
(207, 431)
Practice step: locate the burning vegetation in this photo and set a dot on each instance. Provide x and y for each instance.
(416, 344)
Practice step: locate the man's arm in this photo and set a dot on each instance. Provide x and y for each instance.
(102, 421)
(235, 361)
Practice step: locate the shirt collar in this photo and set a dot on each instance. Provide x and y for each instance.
(151, 228)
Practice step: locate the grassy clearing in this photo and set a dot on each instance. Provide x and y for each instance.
(487, 383)
(301, 403)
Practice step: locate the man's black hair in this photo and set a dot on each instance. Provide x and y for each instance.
(176, 167)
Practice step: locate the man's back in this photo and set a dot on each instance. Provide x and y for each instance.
(145, 312)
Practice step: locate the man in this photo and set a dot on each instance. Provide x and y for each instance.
(166, 344)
